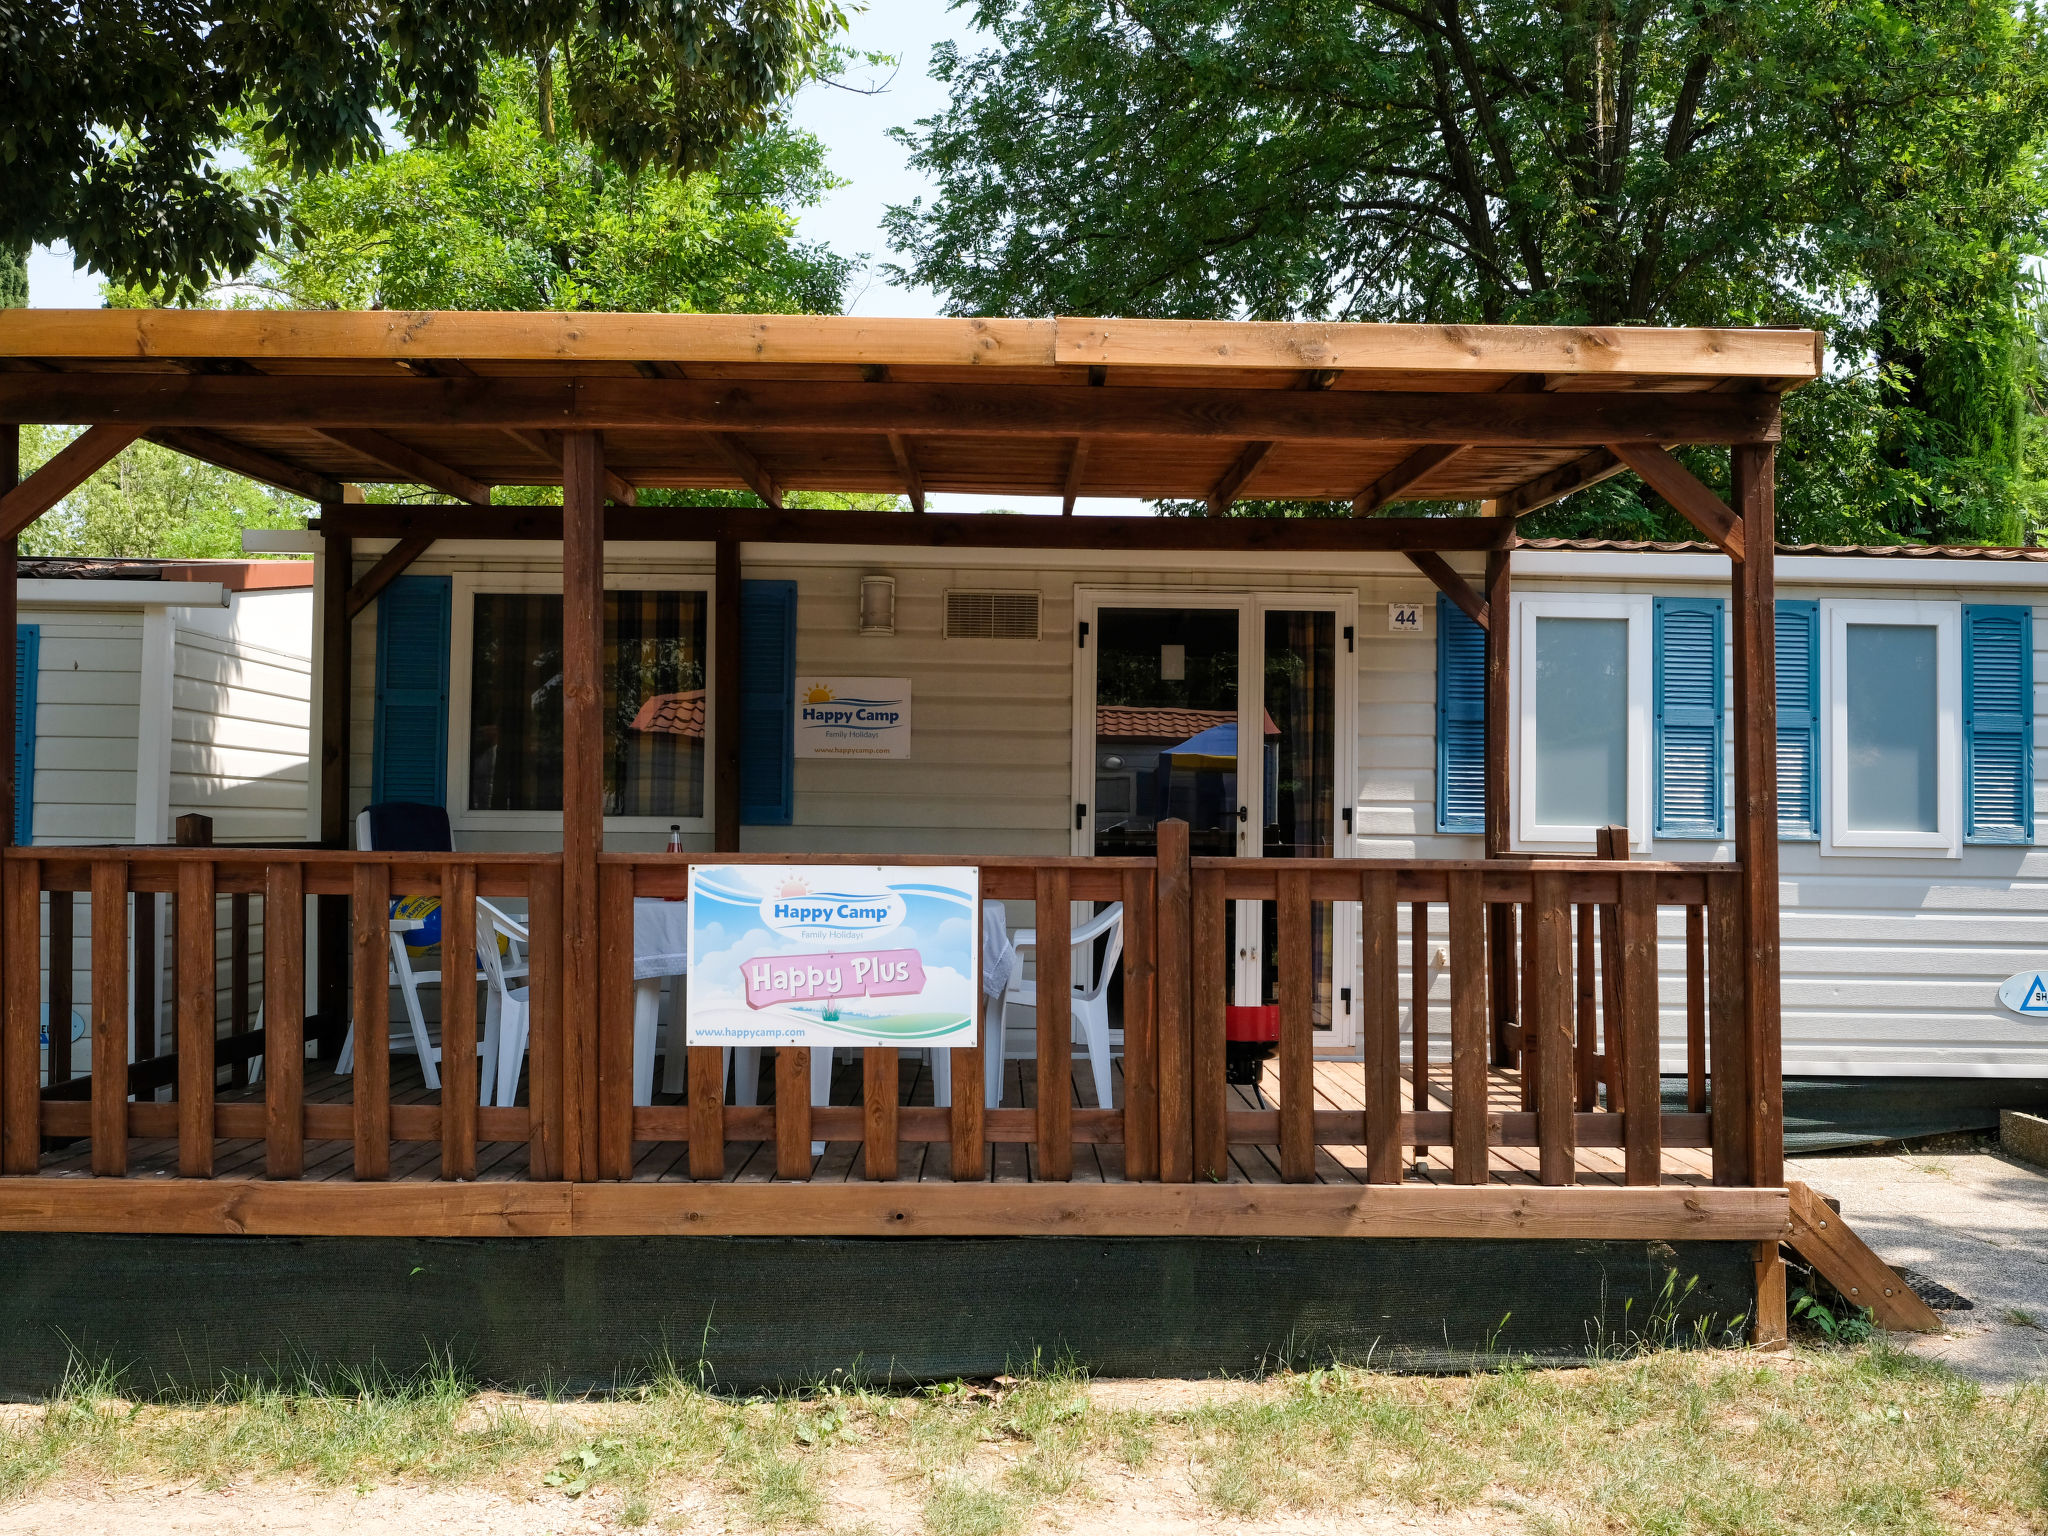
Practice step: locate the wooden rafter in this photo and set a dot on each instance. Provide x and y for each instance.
(1452, 585)
(1677, 485)
(386, 571)
(1077, 466)
(936, 529)
(549, 446)
(1556, 484)
(1418, 466)
(225, 453)
(71, 466)
(1547, 420)
(746, 466)
(408, 462)
(1225, 490)
(906, 465)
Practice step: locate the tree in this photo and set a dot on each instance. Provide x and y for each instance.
(519, 216)
(1858, 166)
(117, 109)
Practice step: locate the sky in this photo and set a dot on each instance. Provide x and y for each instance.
(855, 129)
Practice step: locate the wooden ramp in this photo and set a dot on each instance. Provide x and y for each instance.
(1823, 1239)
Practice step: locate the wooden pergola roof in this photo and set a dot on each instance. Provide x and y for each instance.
(463, 402)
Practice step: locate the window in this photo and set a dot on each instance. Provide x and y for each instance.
(1894, 730)
(1583, 673)
(654, 703)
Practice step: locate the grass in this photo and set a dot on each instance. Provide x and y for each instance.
(1665, 1443)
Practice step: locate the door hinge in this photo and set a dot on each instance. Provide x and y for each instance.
(1349, 634)
(1345, 994)
(1080, 817)
(1082, 635)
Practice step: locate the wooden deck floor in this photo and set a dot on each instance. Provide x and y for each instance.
(1339, 1085)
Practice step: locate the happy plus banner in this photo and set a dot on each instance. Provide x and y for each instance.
(824, 955)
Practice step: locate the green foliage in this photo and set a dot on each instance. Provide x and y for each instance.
(152, 502)
(13, 279)
(518, 217)
(1838, 1325)
(116, 109)
(1847, 164)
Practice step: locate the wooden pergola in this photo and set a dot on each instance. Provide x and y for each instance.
(609, 406)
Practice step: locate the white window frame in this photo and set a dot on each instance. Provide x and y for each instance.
(1946, 620)
(461, 659)
(1528, 608)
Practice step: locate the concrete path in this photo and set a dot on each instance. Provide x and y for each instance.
(1976, 1222)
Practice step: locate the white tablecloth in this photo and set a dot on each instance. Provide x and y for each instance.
(661, 937)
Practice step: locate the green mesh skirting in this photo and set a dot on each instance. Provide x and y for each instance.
(1823, 1114)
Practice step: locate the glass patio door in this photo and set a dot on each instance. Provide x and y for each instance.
(1224, 711)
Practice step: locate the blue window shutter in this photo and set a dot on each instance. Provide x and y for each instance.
(1998, 723)
(767, 703)
(1689, 702)
(1460, 720)
(27, 646)
(409, 755)
(1798, 668)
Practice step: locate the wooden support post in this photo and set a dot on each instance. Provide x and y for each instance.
(1551, 1000)
(725, 696)
(1297, 1026)
(331, 965)
(196, 1020)
(1468, 1029)
(1754, 615)
(1055, 1026)
(582, 792)
(284, 1020)
(1172, 896)
(1380, 1025)
(109, 1016)
(1772, 1325)
(459, 1067)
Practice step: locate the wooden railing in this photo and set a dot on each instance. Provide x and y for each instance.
(1553, 963)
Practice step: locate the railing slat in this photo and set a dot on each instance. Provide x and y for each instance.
(1468, 1030)
(284, 1021)
(62, 957)
(1380, 1025)
(109, 1017)
(458, 1022)
(793, 1112)
(1728, 1097)
(1173, 977)
(196, 935)
(1141, 1044)
(1418, 1012)
(1551, 994)
(21, 1043)
(370, 901)
(615, 1021)
(879, 1065)
(1297, 1039)
(1055, 1027)
(1637, 985)
(1695, 1008)
(707, 1110)
(1209, 976)
(548, 1127)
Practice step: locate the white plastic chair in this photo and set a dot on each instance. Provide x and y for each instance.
(506, 1015)
(1089, 1002)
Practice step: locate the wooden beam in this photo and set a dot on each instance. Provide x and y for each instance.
(1753, 617)
(582, 791)
(386, 571)
(1452, 585)
(71, 466)
(954, 530)
(1417, 467)
(913, 482)
(435, 1208)
(747, 467)
(1556, 484)
(1225, 490)
(1573, 419)
(549, 446)
(1826, 1242)
(409, 463)
(1077, 466)
(1676, 484)
(223, 453)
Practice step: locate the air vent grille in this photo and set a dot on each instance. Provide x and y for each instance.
(991, 615)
